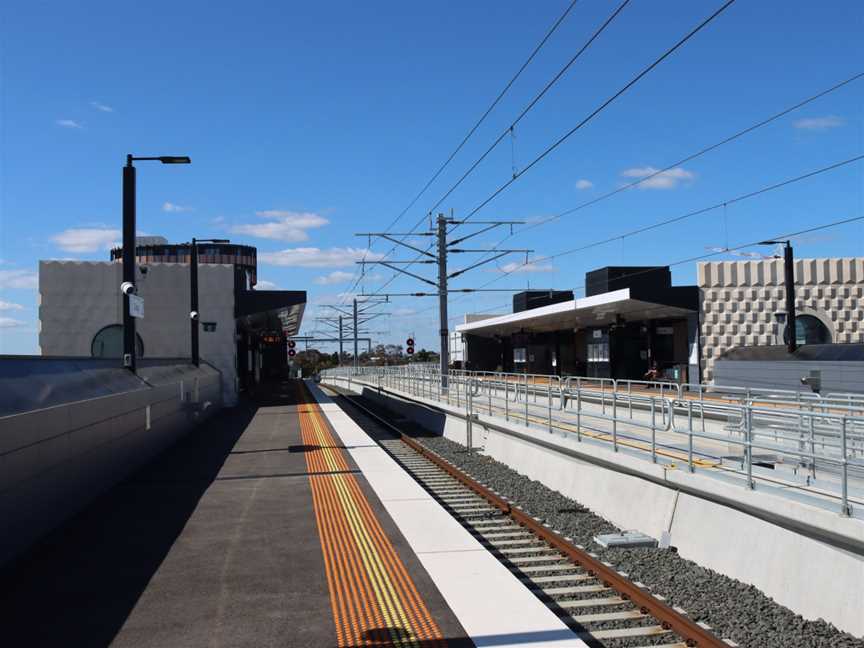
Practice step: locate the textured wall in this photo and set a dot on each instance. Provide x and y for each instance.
(79, 298)
(739, 300)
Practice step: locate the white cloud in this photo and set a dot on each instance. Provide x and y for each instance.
(8, 322)
(515, 266)
(86, 239)
(69, 123)
(101, 107)
(262, 284)
(282, 226)
(18, 279)
(665, 180)
(335, 277)
(312, 257)
(7, 306)
(337, 298)
(819, 123)
(404, 312)
(171, 207)
(584, 184)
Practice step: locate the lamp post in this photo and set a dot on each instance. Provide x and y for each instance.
(789, 280)
(128, 286)
(193, 295)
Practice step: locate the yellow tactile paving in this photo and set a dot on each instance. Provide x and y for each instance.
(373, 599)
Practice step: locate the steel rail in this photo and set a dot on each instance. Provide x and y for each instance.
(692, 633)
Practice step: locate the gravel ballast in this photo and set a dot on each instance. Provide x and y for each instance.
(734, 610)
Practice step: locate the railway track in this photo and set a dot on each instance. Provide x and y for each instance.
(601, 605)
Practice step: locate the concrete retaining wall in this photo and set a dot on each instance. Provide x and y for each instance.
(816, 571)
(56, 460)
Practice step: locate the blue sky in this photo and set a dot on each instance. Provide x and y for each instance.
(307, 122)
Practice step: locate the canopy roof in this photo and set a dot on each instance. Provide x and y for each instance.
(271, 310)
(598, 310)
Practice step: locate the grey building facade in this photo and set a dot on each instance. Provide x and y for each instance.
(241, 330)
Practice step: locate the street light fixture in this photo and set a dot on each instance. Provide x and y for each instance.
(789, 280)
(193, 295)
(129, 359)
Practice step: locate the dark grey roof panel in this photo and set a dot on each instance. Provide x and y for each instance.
(807, 352)
(35, 382)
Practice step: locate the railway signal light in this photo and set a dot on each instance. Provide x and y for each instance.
(291, 344)
(291, 353)
(410, 344)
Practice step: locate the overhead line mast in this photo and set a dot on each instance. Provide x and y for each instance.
(441, 283)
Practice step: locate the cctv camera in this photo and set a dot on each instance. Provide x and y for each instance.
(127, 288)
(193, 315)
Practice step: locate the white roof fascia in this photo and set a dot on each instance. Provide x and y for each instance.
(551, 309)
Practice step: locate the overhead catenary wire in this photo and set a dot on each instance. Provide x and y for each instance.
(509, 130)
(714, 253)
(679, 218)
(787, 235)
(469, 134)
(549, 149)
(697, 154)
(688, 158)
(690, 214)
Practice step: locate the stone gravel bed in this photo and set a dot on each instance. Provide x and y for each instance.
(734, 610)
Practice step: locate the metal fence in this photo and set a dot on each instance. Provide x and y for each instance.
(728, 428)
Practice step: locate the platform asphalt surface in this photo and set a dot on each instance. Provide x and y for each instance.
(213, 544)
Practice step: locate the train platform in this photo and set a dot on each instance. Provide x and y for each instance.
(280, 522)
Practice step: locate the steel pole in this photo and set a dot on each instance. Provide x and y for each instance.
(444, 357)
(340, 341)
(789, 271)
(356, 363)
(193, 301)
(129, 359)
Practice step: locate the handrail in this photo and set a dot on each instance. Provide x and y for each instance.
(806, 430)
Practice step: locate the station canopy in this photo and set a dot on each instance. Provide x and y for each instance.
(261, 311)
(595, 311)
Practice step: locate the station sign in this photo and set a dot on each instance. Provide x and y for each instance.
(136, 306)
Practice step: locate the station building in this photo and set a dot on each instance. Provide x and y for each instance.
(243, 331)
(630, 319)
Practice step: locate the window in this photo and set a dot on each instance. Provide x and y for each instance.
(811, 330)
(598, 352)
(519, 354)
(108, 343)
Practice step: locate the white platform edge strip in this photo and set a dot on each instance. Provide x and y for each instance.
(494, 608)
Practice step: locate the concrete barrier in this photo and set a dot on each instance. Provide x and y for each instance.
(808, 559)
(55, 460)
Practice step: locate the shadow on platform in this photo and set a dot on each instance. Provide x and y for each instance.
(78, 586)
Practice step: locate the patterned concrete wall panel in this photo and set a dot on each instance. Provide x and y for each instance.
(830, 289)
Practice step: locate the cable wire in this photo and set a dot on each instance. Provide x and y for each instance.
(471, 132)
(691, 214)
(602, 107)
(509, 130)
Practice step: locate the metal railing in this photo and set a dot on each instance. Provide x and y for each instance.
(727, 428)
